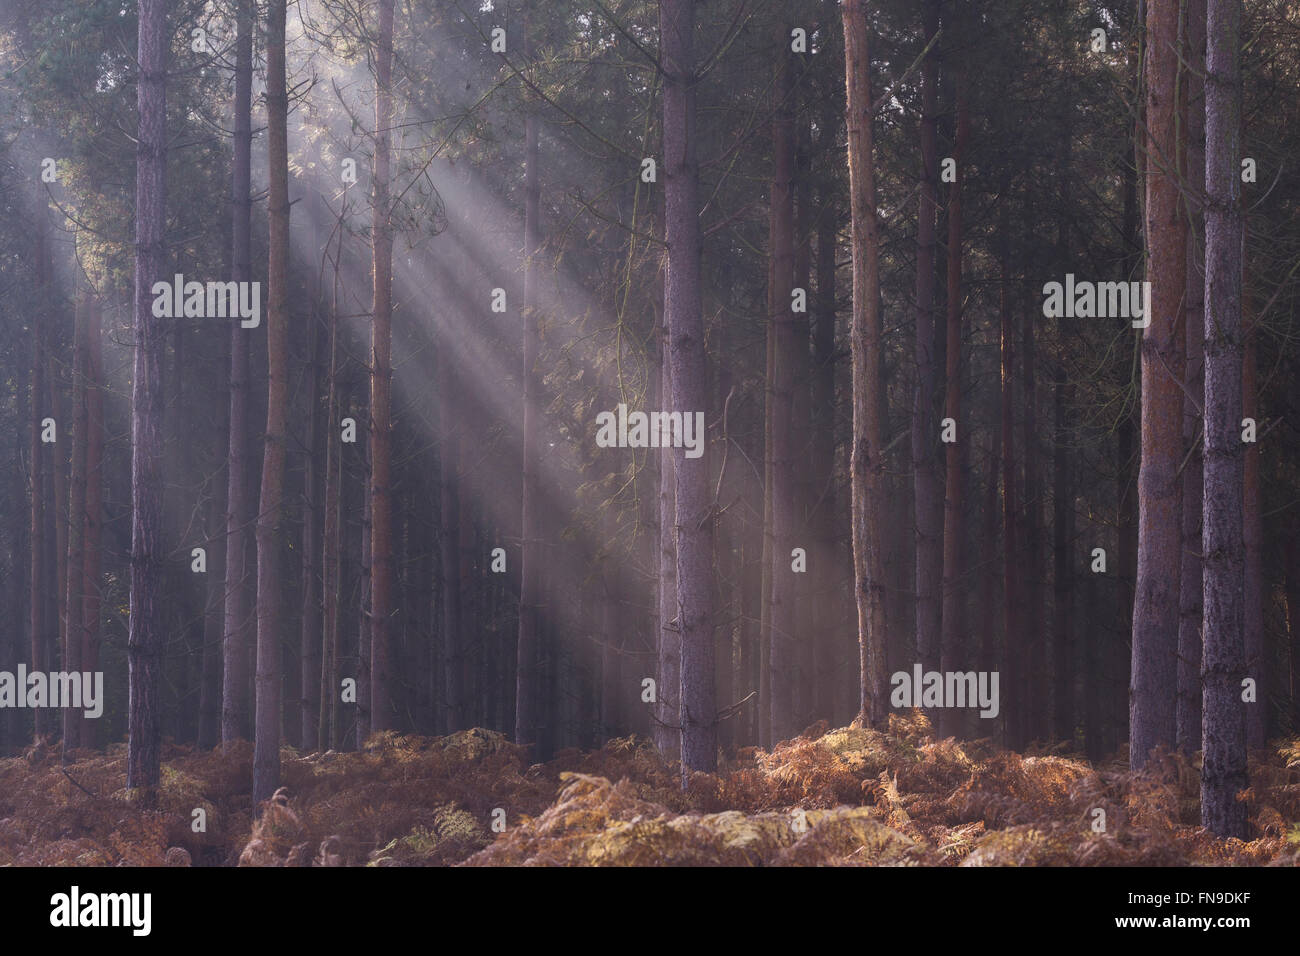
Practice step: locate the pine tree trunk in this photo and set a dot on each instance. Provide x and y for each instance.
(953, 653)
(310, 631)
(866, 339)
(668, 692)
(686, 351)
(927, 491)
(145, 630)
(782, 656)
(75, 637)
(94, 524)
(240, 511)
(1257, 665)
(381, 385)
(1188, 706)
(37, 537)
(1223, 664)
(1013, 631)
(270, 561)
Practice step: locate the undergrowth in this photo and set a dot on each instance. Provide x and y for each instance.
(847, 797)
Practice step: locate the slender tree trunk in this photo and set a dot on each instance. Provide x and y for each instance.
(1257, 665)
(94, 524)
(311, 550)
(239, 507)
(449, 536)
(952, 645)
(270, 577)
(145, 631)
(1223, 664)
(381, 385)
(331, 536)
(686, 348)
(1188, 707)
(782, 656)
(866, 339)
(927, 491)
(668, 728)
(528, 706)
(75, 636)
(1155, 612)
(1013, 630)
(1291, 556)
(38, 539)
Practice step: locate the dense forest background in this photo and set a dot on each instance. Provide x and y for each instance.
(829, 227)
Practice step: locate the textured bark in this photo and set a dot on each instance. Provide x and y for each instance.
(927, 490)
(1034, 633)
(38, 539)
(94, 524)
(1013, 630)
(1063, 604)
(145, 629)
(952, 646)
(866, 341)
(1291, 555)
(310, 631)
(1223, 664)
(1155, 612)
(528, 705)
(683, 314)
(74, 639)
(270, 577)
(1257, 665)
(449, 536)
(1188, 707)
(668, 727)
(783, 653)
(381, 385)
(331, 571)
(239, 506)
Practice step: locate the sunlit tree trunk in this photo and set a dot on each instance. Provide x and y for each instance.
(94, 524)
(270, 577)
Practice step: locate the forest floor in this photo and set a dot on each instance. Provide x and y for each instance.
(839, 797)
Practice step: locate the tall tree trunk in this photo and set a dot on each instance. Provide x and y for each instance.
(94, 524)
(381, 385)
(449, 534)
(783, 653)
(38, 540)
(270, 579)
(145, 630)
(311, 550)
(239, 508)
(952, 646)
(331, 532)
(1257, 665)
(927, 492)
(669, 719)
(1013, 630)
(75, 636)
(867, 345)
(1155, 612)
(1223, 664)
(528, 705)
(683, 314)
(1188, 706)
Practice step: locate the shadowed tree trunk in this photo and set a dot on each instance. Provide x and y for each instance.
(528, 706)
(145, 630)
(1223, 664)
(381, 385)
(928, 493)
(75, 629)
(94, 524)
(270, 577)
(867, 456)
(38, 540)
(1257, 666)
(782, 656)
(686, 355)
(239, 507)
(1188, 706)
